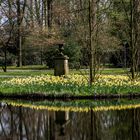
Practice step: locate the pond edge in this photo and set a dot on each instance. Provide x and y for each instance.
(39, 96)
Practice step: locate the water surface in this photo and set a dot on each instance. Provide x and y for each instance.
(21, 122)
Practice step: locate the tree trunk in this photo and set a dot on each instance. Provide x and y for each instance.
(134, 35)
(90, 44)
(92, 22)
(49, 8)
(31, 13)
(45, 12)
(5, 59)
(19, 39)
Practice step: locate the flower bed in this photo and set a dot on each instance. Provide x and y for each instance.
(72, 85)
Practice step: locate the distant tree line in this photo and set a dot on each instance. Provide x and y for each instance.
(95, 33)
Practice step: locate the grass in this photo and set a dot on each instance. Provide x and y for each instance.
(25, 73)
(38, 70)
(73, 85)
(28, 67)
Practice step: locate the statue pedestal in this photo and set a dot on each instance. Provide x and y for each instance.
(61, 66)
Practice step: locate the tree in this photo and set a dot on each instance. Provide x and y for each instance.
(20, 16)
(126, 21)
(7, 26)
(134, 36)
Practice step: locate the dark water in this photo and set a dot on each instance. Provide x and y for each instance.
(18, 123)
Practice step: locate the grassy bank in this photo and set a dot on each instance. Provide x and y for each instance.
(72, 85)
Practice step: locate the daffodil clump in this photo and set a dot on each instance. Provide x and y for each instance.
(48, 79)
(72, 84)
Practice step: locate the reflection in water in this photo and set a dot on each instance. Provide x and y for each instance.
(62, 119)
(17, 123)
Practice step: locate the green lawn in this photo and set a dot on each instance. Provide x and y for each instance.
(38, 70)
(111, 84)
(28, 67)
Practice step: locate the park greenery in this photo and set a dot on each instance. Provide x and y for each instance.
(99, 37)
(70, 85)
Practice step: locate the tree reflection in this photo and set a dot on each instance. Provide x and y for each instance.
(135, 124)
(17, 123)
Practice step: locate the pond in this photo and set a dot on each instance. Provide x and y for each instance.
(71, 120)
